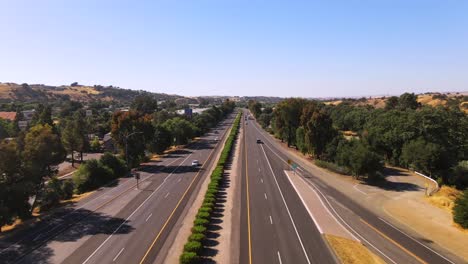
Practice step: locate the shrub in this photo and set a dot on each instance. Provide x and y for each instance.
(203, 215)
(460, 210)
(196, 237)
(67, 189)
(205, 209)
(209, 200)
(332, 167)
(116, 164)
(198, 229)
(193, 246)
(188, 258)
(200, 221)
(91, 175)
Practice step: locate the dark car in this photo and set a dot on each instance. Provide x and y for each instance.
(259, 141)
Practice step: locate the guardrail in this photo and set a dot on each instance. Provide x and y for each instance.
(429, 178)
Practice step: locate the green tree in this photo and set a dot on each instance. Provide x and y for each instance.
(42, 116)
(408, 101)
(318, 128)
(14, 189)
(423, 156)
(363, 161)
(287, 116)
(132, 131)
(391, 103)
(300, 140)
(255, 107)
(43, 151)
(460, 210)
(181, 129)
(145, 104)
(72, 139)
(162, 139)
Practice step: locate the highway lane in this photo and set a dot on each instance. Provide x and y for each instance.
(114, 205)
(153, 218)
(281, 230)
(393, 245)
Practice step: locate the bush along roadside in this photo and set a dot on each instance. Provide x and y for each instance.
(194, 245)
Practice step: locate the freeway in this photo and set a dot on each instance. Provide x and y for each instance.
(377, 234)
(276, 226)
(120, 223)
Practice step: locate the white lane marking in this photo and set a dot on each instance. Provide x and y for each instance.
(148, 217)
(326, 201)
(258, 169)
(271, 220)
(279, 258)
(287, 208)
(344, 222)
(266, 198)
(359, 190)
(261, 180)
(45, 230)
(326, 208)
(166, 196)
(179, 179)
(118, 254)
(416, 240)
(305, 205)
(126, 220)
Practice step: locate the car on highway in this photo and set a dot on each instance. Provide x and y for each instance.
(195, 163)
(216, 139)
(259, 141)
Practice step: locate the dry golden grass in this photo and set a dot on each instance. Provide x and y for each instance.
(77, 198)
(352, 252)
(444, 198)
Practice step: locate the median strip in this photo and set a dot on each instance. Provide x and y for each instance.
(194, 246)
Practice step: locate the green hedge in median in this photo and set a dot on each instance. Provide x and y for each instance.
(194, 245)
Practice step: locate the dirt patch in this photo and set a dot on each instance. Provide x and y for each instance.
(352, 252)
(444, 198)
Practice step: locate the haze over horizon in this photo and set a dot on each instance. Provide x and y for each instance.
(294, 48)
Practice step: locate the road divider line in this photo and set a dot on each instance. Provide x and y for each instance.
(416, 240)
(266, 198)
(166, 196)
(248, 196)
(261, 180)
(279, 258)
(177, 206)
(126, 220)
(394, 242)
(118, 254)
(287, 208)
(271, 220)
(359, 190)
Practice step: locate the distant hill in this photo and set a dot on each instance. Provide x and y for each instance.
(432, 99)
(10, 92)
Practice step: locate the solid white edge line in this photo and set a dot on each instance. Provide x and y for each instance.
(279, 258)
(125, 221)
(118, 254)
(304, 203)
(326, 208)
(416, 240)
(331, 206)
(287, 208)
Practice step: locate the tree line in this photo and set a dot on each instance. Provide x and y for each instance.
(359, 139)
(29, 162)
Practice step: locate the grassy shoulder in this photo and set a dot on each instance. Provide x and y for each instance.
(444, 198)
(352, 252)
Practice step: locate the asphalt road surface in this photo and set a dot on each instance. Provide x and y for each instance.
(120, 223)
(276, 226)
(279, 241)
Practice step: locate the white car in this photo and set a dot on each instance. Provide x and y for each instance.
(216, 139)
(195, 163)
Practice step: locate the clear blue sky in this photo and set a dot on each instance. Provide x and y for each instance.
(234, 47)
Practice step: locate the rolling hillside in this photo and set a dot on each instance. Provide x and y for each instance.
(10, 92)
